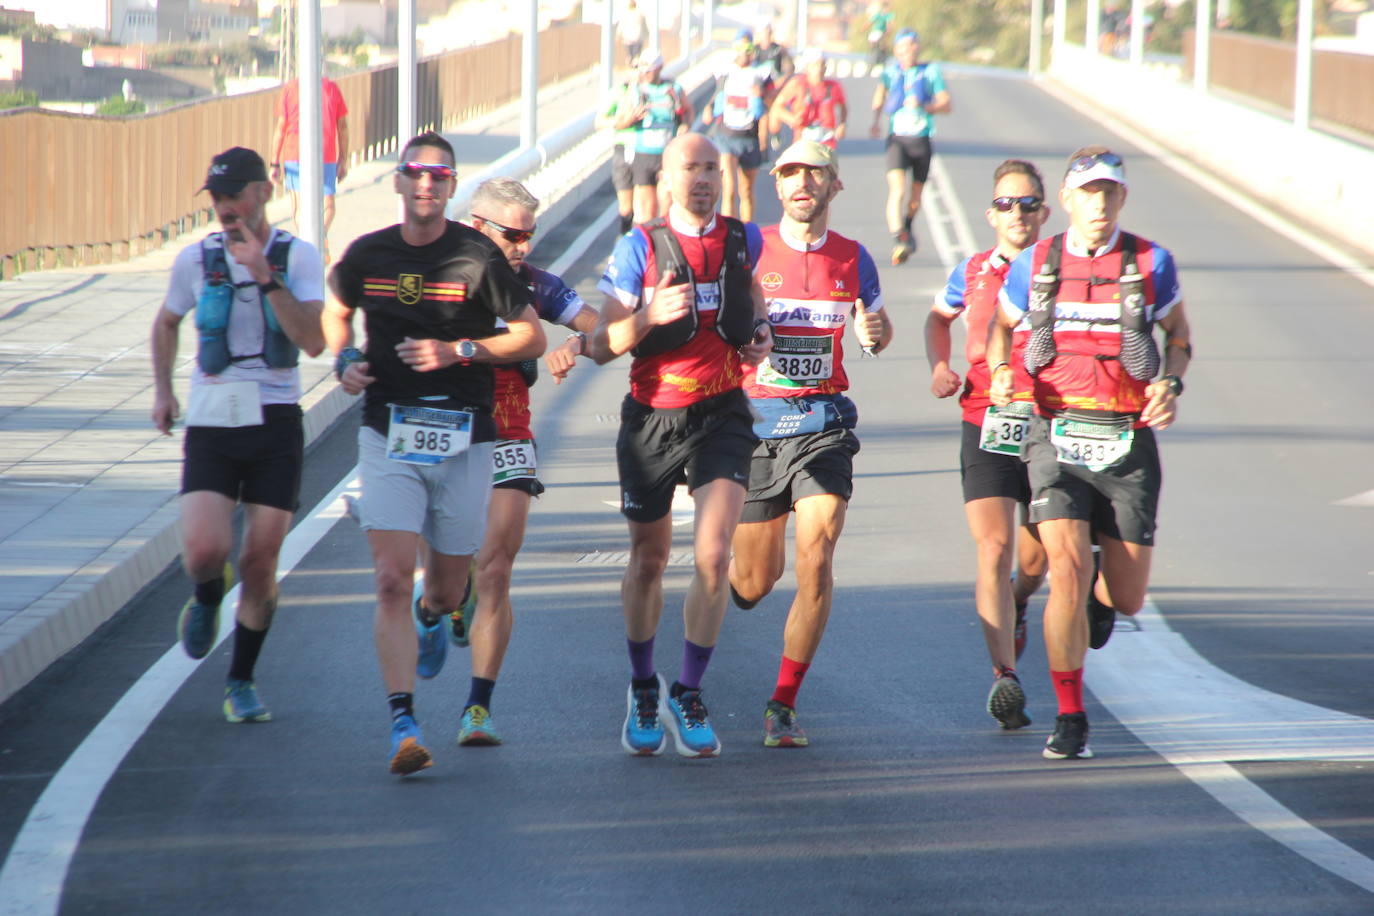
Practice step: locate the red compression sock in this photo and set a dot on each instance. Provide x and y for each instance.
(790, 676)
(1068, 689)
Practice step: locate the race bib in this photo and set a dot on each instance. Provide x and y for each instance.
(427, 435)
(1095, 446)
(224, 404)
(818, 133)
(1005, 428)
(798, 361)
(653, 139)
(909, 121)
(708, 297)
(514, 459)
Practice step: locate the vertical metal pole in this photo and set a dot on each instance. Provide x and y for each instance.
(803, 25)
(1302, 79)
(1091, 26)
(1061, 25)
(406, 109)
(1202, 46)
(1137, 32)
(529, 81)
(685, 31)
(655, 26)
(310, 198)
(607, 46)
(1037, 35)
(708, 24)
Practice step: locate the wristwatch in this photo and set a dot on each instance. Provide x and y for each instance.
(347, 356)
(582, 345)
(466, 351)
(270, 286)
(1175, 383)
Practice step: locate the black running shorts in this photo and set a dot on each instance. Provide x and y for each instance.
(658, 448)
(621, 179)
(1119, 502)
(256, 464)
(909, 153)
(743, 145)
(530, 485)
(786, 470)
(645, 168)
(988, 474)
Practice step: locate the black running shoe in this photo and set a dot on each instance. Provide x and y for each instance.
(1070, 738)
(1020, 631)
(1101, 622)
(1007, 702)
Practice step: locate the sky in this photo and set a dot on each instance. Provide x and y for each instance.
(82, 14)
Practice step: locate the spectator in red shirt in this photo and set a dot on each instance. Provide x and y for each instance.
(286, 144)
(812, 105)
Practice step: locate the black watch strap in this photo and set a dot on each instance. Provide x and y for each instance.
(270, 286)
(1175, 383)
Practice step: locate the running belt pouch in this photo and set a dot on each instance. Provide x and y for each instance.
(779, 418)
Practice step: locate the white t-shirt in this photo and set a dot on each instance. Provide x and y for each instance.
(305, 279)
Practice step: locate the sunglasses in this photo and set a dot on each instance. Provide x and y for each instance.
(1028, 204)
(514, 236)
(438, 172)
(1083, 163)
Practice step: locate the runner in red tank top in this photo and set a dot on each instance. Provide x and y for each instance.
(990, 467)
(1091, 452)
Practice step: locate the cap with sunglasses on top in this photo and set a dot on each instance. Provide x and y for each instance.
(435, 170)
(514, 236)
(1029, 204)
(807, 152)
(1106, 166)
(232, 171)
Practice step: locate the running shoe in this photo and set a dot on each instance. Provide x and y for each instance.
(780, 728)
(433, 647)
(902, 249)
(740, 602)
(1007, 701)
(241, 703)
(1101, 622)
(686, 717)
(198, 624)
(1020, 631)
(408, 752)
(643, 731)
(1070, 738)
(461, 619)
(477, 729)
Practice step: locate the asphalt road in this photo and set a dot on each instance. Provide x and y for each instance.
(910, 799)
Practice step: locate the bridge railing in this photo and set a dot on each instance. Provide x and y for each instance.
(81, 189)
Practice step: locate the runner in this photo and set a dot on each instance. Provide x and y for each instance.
(812, 105)
(427, 288)
(994, 478)
(503, 210)
(657, 109)
(622, 153)
(257, 294)
(682, 297)
(879, 21)
(1086, 303)
(814, 279)
(738, 110)
(909, 93)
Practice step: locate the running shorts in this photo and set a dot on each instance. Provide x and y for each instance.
(909, 153)
(621, 179)
(293, 177)
(988, 474)
(256, 464)
(744, 146)
(645, 168)
(786, 470)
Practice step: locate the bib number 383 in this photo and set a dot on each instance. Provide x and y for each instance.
(1090, 445)
(427, 435)
(1005, 428)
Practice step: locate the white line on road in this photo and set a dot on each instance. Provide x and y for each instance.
(1362, 500)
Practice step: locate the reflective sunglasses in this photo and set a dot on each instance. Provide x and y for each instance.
(1029, 204)
(514, 236)
(1083, 163)
(438, 172)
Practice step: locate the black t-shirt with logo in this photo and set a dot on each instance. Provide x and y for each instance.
(453, 288)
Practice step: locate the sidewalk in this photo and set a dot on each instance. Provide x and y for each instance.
(88, 488)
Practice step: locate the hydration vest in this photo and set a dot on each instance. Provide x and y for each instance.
(659, 124)
(217, 300)
(734, 315)
(1138, 355)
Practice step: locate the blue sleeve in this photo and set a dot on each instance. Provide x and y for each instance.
(554, 300)
(956, 288)
(624, 276)
(1015, 293)
(753, 238)
(870, 288)
(1165, 279)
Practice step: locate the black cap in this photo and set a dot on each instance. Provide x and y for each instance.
(232, 169)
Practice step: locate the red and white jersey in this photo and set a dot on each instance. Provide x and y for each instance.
(810, 291)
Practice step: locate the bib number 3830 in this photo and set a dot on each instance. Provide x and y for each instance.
(427, 435)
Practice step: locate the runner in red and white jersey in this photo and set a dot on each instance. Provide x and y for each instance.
(1090, 300)
(990, 467)
(814, 280)
(681, 295)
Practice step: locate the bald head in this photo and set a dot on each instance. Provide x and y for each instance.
(691, 170)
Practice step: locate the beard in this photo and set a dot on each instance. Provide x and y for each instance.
(808, 211)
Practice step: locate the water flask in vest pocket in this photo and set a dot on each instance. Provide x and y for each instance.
(212, 321)
(277, 348)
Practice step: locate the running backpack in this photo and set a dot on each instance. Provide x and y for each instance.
(735, 314)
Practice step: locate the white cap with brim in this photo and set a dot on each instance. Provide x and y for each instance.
(650, 62)
(807, 152)
(1098, 171)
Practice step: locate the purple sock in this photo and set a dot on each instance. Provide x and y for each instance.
(641, 658)
(695, 658)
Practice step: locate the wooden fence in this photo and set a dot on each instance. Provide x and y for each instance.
(79, 189)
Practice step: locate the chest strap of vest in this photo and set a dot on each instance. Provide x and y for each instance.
(1138, 353)
(217, 300)
(735, 312)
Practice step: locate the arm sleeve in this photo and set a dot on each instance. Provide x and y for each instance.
(624, 276)
(951, 300)
(1165, 279)
(556, 301)
(870, 288)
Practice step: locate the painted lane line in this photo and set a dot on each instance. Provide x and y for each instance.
(36, 867)
(1360, 500)
(1201, 719)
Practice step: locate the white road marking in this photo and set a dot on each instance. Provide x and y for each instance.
(1361, 500)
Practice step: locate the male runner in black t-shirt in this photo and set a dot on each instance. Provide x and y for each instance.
(428, 288)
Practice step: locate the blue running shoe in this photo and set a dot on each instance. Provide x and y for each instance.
(408, 752)
(685, 716)
(461, 619)
(477, 729)
(241, 703)
(198, 624)
(643, 731)
(433, 646)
